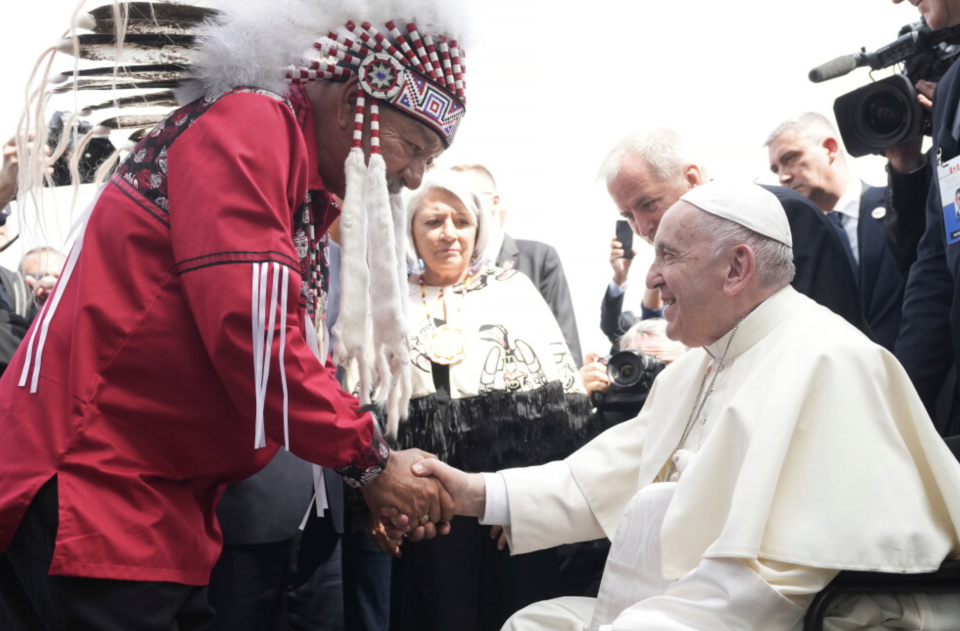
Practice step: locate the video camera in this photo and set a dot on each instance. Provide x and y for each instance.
(97, 151)
(631, 373)
(886, 113)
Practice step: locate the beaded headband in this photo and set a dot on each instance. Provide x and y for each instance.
(410, 75)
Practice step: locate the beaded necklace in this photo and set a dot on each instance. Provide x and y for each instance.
(447, 344)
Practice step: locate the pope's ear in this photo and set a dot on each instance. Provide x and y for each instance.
(741, 270)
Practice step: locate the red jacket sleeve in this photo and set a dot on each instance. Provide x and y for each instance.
(235, 178)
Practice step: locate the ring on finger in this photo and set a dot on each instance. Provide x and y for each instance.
(423, 519)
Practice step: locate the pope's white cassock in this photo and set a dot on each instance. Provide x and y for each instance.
(812, 454)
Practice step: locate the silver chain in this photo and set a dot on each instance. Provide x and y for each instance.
(698, 403)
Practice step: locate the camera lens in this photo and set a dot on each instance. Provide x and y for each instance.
(625, 368)
(883, 113)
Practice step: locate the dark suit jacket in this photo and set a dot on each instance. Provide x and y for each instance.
(881, 281)
(929, 341)
(541, 264)
(823, 273)
(13, 323)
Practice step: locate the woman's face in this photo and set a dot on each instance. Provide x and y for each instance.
(444, 233)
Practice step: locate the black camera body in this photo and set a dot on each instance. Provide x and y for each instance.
(631, 373)
(886, 113)
(95, 152)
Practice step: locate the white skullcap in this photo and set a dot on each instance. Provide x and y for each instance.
(744, 203)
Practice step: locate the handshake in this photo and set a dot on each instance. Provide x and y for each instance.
(416, 495)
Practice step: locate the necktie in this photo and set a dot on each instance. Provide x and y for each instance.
(836, 219)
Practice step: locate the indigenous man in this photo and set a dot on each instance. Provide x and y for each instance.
(786, 448)
(178, 350)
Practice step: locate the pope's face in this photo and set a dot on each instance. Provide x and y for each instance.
(408, 148)
(938, 14)
(689, 278)
(642, 198)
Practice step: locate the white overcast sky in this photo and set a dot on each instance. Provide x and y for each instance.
(553, 85)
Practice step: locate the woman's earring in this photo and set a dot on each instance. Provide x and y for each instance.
(420, 262)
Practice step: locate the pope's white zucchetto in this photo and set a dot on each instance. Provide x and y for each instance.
(744, 203)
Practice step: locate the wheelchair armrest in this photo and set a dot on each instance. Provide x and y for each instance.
(946, 579)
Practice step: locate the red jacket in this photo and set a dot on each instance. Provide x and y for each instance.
(146, 398)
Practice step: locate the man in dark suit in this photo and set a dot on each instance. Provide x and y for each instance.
(646, 174)
(806, 155)
(929, 342)
(538, 261)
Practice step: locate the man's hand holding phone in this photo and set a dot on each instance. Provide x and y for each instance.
(621, 252)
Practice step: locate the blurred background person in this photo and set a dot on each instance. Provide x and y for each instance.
(494, 384)
(656, 351)
(539, 261)
(40, 268)
(806, 155)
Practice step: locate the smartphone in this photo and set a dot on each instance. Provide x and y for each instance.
(625, 237)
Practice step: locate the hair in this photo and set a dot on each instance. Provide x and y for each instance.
(811, 125)
(656, 327)
(663, 150)
(38, 252)
(775, 268)
(454, 183)
(476, 168)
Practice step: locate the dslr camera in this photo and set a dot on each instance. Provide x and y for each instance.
(631, 373)
(97, 151)
(886, 113)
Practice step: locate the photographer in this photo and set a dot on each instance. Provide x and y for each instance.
(616, 403)
(931, 315)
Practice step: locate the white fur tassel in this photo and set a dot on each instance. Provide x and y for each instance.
(389, 326)
(400, 396)
(351, 327)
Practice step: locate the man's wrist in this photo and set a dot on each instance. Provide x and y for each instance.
(369, 465)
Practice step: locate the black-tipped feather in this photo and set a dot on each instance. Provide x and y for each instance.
(133, 122)
(155, 99)
(149, 17)
(140, 48)
(122, 83)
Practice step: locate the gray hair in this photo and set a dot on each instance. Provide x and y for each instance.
(662, 150)
(775, 266)
(656, 327)
(39, 252)
(457, 185)
(811, 125)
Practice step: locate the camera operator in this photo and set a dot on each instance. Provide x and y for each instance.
(618, 402)
(931, 312)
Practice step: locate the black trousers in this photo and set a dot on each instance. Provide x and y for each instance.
(289, 585)
(32, 600)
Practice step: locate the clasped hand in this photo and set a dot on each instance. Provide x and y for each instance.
(415, 484)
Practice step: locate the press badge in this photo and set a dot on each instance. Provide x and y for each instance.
(948, 175)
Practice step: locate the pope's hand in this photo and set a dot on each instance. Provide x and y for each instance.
(468, 490)
(422, 508)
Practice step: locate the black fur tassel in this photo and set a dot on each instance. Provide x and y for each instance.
(499, 430)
